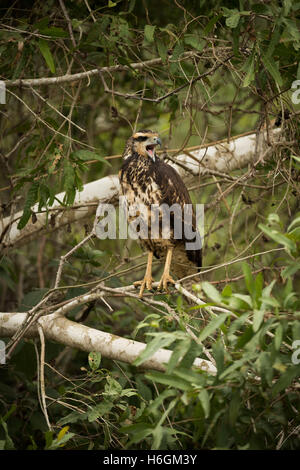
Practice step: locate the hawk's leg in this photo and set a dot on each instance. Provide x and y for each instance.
(166, 278)
(147, 281)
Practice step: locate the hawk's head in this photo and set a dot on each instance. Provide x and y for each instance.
(143, 143)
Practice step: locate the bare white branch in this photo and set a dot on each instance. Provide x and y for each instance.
(223, 157)
(64, 331)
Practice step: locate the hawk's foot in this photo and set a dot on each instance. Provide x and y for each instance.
(165, 280)
(144, 283)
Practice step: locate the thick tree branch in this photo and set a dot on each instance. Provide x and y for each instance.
(104, 190)
(222, 157)
(64, 331)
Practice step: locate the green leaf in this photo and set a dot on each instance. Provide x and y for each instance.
(249, 67)
(94, 359)
(280, 238)
(54, 32)
(258, 286)
(295, 222)
(99, 410)
(236, 324)
(88, 155)
(270, 301)
(268, 289)
(124, 30)
(236, 365)
(179, 351)
(10, 412)
(278, 337)
(155, 404)
(248, 279)
(208, 28)
(194, 41)
(61, 442)
(160, 340)
(128, 392)
(72, 417)
(112, 388)
(227, 291)
(245, 298)
(211, 426)
(294, 156)
(162, 50)
(233, 17)
(272, 68)
(258, 317)
(273, 41)
(44, 48)
(170, 380)
(131, 6)
(48, 439)
(264, 364)
(211, 292)
(158, 433)
(205, 402)
(30, 200)
(139, 430)
(190, 375)
(290, 270)
(218, 353)
(149, 32)
(213, 326)
(9, 445)
(285, 380)
(177, 51)
(233, 20)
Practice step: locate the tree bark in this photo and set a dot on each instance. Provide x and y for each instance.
(64, 331)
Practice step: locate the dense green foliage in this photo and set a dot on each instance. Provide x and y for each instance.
(244, 58)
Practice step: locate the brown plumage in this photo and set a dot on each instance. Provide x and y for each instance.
(147, 180)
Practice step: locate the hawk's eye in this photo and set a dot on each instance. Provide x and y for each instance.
(142, 138)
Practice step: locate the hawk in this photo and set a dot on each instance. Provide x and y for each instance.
(148, 182)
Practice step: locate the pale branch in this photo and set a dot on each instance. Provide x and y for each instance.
(104, 190)
(98, 293)
(223, 157)
(64, 331)
(70, 78)
(41, 380)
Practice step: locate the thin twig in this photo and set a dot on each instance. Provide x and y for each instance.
(66, 15)
(42, 376)
(70, 78)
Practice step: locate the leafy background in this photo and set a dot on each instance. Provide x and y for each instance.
(58, 137)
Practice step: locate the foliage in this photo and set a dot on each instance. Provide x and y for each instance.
(224, 68)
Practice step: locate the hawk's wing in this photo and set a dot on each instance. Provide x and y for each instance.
(173, 191)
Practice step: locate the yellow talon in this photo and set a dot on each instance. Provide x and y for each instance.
(147, 281)
(166, 278)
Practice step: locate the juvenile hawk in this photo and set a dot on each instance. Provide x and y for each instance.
(149, 182)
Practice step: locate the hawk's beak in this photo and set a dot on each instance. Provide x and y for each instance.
(150, 149)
